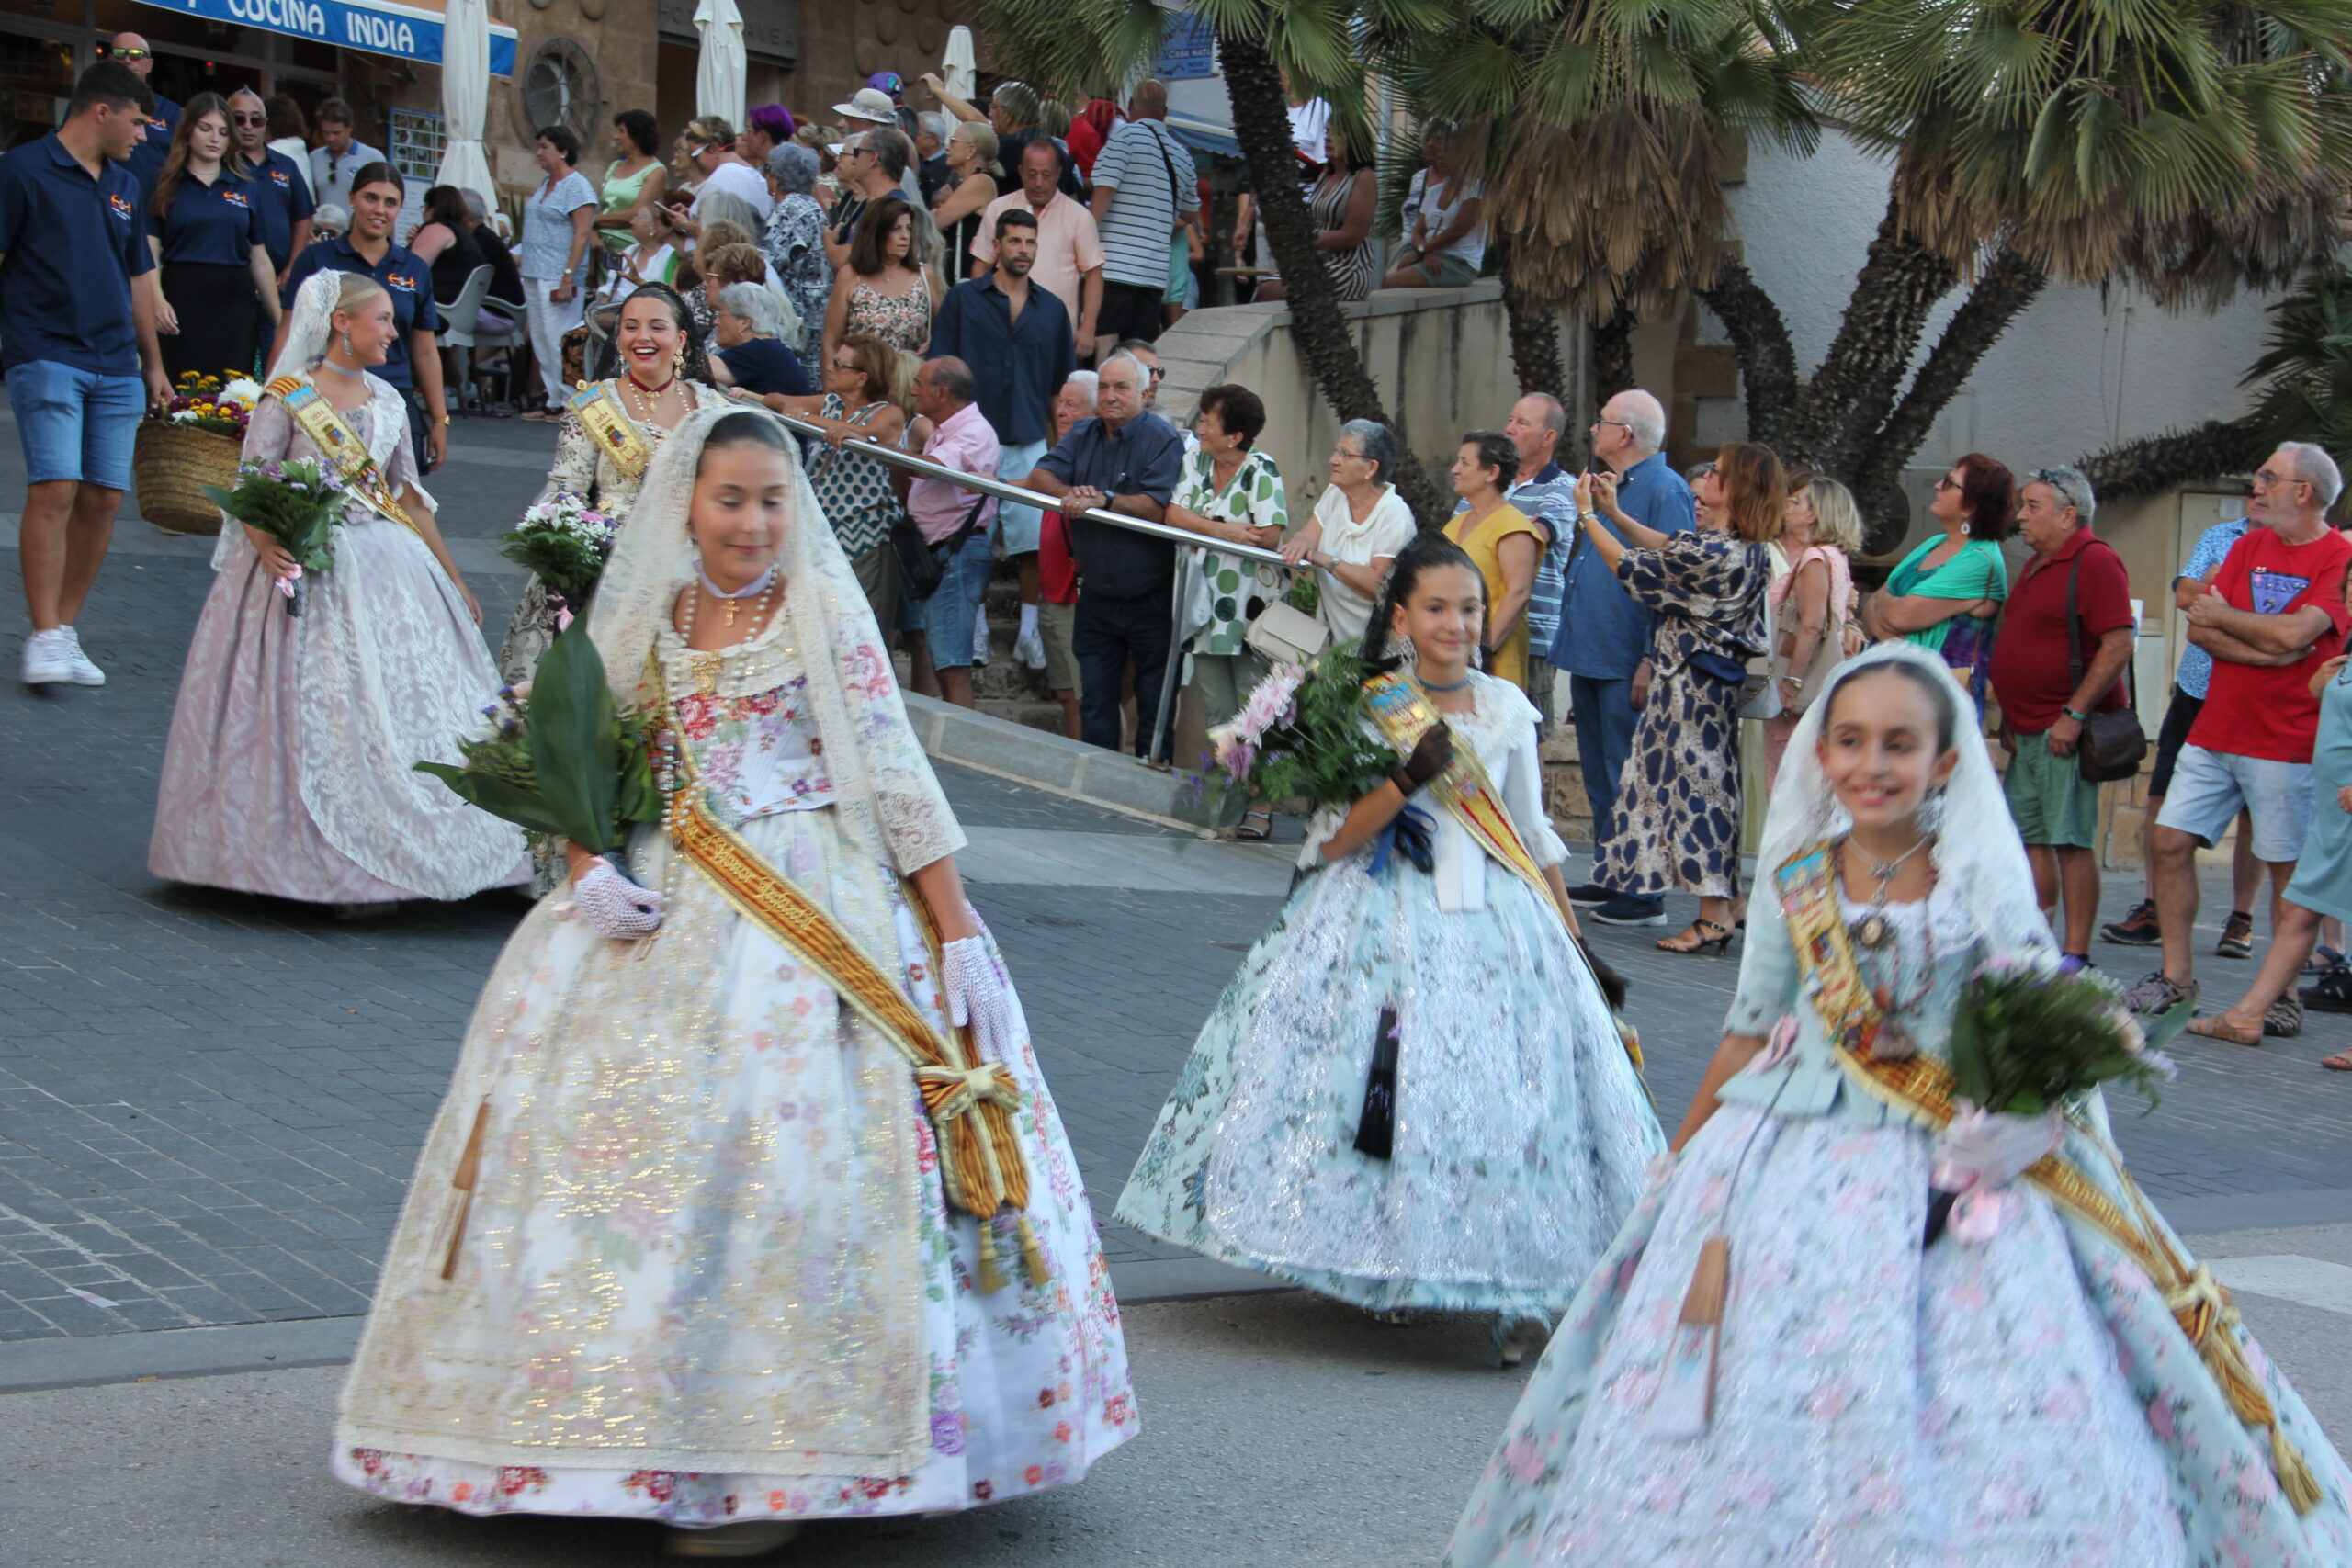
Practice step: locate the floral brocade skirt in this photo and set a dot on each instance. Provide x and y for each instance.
(2018, 1404)
(707, 1240)
(1521, 1130)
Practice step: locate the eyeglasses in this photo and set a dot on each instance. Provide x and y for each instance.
(849, 365)
(696, 149)
(1343, 452)
(131, 53)
(1944, 484)
(249, 118)
(2265, 478)
(1602, 424)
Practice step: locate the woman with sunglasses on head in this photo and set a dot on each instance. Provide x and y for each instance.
(1946, 595)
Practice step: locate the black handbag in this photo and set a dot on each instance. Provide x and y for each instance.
(923, 565)
(2112, 743)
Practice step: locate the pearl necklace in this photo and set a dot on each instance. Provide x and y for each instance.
(763, 587)
(648, 401)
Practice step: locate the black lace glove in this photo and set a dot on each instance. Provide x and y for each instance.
(1431, 757)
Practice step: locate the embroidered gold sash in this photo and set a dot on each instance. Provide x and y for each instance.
(1922, 1086)
(1405, 714)
(319, 420)
(598, 404)
(971, 1103)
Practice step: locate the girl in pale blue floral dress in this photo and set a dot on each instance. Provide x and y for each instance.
(2012, 1392)
(1520, 1128)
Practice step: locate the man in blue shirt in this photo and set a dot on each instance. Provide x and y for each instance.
(283, 193)
(1017, 339)
(147, 153)
(415, 363)
(1604, 637)
(1124, 459)
(1545, 495)
(77, 335)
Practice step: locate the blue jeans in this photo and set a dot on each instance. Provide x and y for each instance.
(948, 614)
(1605, 718)
(75, 424)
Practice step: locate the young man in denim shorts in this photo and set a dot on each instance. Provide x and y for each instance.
(78, 345)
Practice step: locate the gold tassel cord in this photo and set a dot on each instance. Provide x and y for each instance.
(971, 1104)
(467, 1173)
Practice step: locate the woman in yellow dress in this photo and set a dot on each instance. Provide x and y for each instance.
(1504, 542)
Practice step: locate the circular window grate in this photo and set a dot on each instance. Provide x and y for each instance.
(559, 87)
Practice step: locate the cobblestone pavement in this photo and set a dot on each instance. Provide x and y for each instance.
(209, 1104)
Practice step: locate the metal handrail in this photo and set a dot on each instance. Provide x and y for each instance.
(1003, 490)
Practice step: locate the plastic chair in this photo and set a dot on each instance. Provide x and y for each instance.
(461, 328)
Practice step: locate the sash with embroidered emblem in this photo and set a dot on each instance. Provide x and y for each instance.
(598, 406)
(1918, 1085)
(971, 1103)
(1403, 715)
(320, 420)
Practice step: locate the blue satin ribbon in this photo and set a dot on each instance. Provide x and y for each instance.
(1408, 834)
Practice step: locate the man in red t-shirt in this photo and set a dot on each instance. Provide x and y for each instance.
(2274, 613)
(2073, 598)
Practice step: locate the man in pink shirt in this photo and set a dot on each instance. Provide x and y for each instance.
(1069, 252)
(952, 431)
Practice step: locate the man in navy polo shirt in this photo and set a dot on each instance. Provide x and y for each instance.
(1124, 459)
(147, 153)
(1017, 339)
(75, 336)
(284, 198)
(414, 364)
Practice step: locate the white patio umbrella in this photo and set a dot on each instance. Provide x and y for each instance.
(960, 69)
(465, 97)
(720, 73)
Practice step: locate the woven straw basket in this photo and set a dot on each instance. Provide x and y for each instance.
(168, 464)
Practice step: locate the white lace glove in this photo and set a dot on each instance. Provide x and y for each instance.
(614, 905)
(979, 995)
(1979, 1155)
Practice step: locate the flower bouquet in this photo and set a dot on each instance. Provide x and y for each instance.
(297, 503)
(558, 756)
(1303, 733)
(196, 441)
(205, 402)
(2026, 1041)
(566, 543)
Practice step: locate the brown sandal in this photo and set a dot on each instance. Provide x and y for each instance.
(2219, 1027)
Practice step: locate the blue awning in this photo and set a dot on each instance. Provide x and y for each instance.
(1203, 137)
(379, 26)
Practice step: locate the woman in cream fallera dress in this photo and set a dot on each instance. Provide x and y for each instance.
(706, 1273)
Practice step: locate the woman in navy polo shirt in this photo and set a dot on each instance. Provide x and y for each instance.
(209, 234)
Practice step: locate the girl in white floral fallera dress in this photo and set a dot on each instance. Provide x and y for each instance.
(2053, 1384)
(685, 1242)
(1521, 1130)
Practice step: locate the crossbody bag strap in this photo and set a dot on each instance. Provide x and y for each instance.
(2075, 644)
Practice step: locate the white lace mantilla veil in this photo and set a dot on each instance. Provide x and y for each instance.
(888, 799)
(1977, 853)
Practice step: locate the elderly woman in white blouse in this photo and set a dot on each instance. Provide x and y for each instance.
(1360, 523)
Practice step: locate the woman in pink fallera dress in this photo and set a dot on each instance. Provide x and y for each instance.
(289, 768)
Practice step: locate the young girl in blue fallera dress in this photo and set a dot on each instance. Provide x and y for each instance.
(1770, 1366)
(1519, 1130)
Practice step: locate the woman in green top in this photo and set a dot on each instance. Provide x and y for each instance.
(1229, 491)
(1946, 593)
(635, 181)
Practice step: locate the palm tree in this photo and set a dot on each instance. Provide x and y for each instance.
(1096, 41)
(2190, 147)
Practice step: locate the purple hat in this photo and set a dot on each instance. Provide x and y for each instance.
(889, 83)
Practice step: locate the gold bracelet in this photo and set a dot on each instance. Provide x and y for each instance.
(440, 419)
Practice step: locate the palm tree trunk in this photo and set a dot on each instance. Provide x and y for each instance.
(2009, 286)
(2152, 463)
(1534, 339)
(1612, 356)
(1317, 325)
(1899, 284)
(1760, 337)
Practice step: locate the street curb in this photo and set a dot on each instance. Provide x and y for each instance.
(1071, 769)
(27, 1365)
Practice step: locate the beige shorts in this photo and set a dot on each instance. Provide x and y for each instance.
(1054, 625)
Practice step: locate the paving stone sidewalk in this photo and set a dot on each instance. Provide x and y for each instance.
(210, 1104)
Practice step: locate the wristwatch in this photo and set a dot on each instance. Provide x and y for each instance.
(440, 419)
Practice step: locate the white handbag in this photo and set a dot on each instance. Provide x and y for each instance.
(1286, 635)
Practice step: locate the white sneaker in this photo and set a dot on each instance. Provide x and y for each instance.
(49, 657)
(85, 672)
(1029, 648)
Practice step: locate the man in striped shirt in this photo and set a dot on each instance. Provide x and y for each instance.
(1145, 189)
